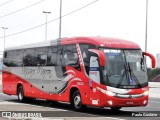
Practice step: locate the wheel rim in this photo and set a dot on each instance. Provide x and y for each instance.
(20, 94)
(77, 101)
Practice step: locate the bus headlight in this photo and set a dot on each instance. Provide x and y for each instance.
(146, 93)
(109, 93)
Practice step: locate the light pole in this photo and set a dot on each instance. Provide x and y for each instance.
(46, 23)
(4, 29)
(146, 26)
(60, 17)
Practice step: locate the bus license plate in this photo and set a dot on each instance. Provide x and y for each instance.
(129, 103)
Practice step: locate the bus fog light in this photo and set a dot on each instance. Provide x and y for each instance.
(144, 102)
(110, 102)
(146, 93)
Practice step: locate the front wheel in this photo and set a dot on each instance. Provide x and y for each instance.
(76, 101)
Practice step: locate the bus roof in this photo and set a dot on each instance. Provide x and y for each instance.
(98, 41)
(103, 42)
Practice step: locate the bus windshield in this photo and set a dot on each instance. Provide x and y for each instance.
(124, 68)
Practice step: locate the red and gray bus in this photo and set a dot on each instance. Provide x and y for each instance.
(84, 71)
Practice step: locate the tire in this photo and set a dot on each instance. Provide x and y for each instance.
(76, 101)
(20, 94)
(116, 108)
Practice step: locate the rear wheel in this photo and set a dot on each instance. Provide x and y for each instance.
(76, 101)
(20, 94)
(115, 108)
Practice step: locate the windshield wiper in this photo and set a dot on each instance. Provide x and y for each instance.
(133, 75)
(121, 79)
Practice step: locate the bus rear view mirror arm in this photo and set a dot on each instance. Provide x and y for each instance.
(153, 60)
(101, 56)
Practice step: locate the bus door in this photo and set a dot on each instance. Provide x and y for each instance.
(94, 80)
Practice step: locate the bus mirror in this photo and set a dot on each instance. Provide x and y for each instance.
(152, 58)
(100, 55)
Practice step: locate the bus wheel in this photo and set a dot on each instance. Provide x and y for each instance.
(115, 108)
(20, 93)
(77, 101)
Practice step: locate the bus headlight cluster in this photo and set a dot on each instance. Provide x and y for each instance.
(146, 93)
(109, 93)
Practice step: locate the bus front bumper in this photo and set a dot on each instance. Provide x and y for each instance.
(125, 102)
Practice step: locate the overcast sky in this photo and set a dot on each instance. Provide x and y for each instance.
(123, 19)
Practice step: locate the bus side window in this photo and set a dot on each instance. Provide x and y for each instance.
(29, 57)
(8, 58)
(70, 56)
(52, 56)
(5, 55)
(59, 55)
(17, 58)
(84, 51)
(41, 56)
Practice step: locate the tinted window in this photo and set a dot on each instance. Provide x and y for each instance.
(41, 56)
(52, 56)
(29, 57)
(59, 55)
(13, 58)
(85, 54)
(8, 58)
(70, 56)
(17, 57)
(5, 55)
